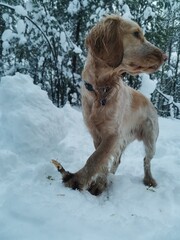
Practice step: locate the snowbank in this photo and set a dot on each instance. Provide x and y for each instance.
(26, 117)
(35, 205)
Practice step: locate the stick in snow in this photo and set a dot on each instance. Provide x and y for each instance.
(59, 168)
(65, 174)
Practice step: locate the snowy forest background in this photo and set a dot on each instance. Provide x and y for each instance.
(45, 39)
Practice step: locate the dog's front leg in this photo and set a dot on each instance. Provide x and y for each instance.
(93, 176)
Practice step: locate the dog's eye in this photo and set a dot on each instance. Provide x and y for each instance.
(136, 34)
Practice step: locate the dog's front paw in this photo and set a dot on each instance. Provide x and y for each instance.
(77, 181)
(98, 186)
(74, 181)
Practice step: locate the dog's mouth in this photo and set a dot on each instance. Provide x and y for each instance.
(136, 69)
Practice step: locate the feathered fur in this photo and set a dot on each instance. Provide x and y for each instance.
(114, 113)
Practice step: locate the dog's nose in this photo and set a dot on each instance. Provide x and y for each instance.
(165, 57)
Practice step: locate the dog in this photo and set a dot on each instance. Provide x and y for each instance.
(114, 113)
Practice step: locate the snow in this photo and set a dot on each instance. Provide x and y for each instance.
(34, 204)
(147, 85)
(6, 46)
(148, 13)
(74, 7)
(85, 3)
(63, 41)
(21, 26)
(127, 13)
(20, 10)
(77, 49)
(6, 17)
(8, 35)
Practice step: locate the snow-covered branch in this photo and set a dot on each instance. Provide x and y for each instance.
(23, 13)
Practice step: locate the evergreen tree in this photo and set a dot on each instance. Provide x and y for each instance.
(45, 38)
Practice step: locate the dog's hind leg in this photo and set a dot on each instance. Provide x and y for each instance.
(150, 133)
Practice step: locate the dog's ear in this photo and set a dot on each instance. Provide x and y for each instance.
(105, 41)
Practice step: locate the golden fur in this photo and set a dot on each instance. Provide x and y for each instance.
(115, 113)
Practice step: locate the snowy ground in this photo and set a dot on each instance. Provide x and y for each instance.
(34, 205)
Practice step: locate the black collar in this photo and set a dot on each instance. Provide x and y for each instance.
(88, 86)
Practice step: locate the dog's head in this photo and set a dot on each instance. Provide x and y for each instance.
(121, 43)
